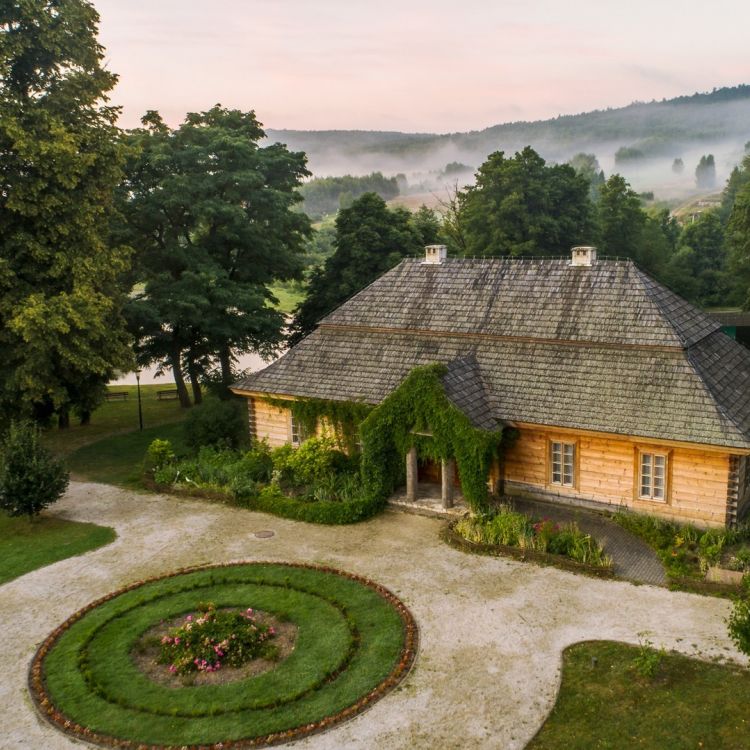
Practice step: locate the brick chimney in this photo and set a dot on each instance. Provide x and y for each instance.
(583, 255)
(435, 254)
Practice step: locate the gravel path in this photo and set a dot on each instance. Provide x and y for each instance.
(492, 630)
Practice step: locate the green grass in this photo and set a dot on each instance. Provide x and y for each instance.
(27, 545)
(118, 459)
(349, 640)
(609, 705)
(115, 417)
(289, 296)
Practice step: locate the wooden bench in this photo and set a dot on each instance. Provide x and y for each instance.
(166, 395)
(116, 396)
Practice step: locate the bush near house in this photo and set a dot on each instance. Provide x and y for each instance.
(317, 482)
(686, 551)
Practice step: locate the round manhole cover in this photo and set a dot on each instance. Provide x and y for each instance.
(265, 534)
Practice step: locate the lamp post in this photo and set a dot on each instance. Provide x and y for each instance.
(138, 388)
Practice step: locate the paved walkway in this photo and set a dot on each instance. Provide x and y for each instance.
(491, 629)
(633, 559)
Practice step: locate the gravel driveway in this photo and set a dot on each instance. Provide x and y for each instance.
(492, 630)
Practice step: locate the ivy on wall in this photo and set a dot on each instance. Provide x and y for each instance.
(389, 430)
(420, 405)
(344, 417)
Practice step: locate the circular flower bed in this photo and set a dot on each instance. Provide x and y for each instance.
(354, 641)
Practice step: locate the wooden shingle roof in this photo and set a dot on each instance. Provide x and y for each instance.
(601, 347)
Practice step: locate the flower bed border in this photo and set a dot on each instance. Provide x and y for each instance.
(449, 535)
(47, 710)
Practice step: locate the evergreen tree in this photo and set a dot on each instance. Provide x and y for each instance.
(62, 335)
(370, 239)
(738, 237)
(210, 215)
(678, 166)
(705, 173)
(587, 165)
(520, 206)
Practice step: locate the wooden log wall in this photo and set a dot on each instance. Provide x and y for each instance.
(607, 473)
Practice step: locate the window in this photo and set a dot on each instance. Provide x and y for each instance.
(298, 434)
(652, 482)
(562, 463)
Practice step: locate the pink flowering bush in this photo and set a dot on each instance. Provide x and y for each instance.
(210, 639)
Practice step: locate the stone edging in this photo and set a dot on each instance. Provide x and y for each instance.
(47, 710)
(458, 542)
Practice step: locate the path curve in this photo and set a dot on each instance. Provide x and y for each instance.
(491, 630)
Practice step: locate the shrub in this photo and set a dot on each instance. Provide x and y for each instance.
(31, 478)
(257, 463)
(216, 423)
(158, 455)
(213, 638)
(315, 460)
(739, 624)
(648, 660)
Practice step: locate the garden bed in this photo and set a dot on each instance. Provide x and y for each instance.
(316, 483)
(355, 642)
(449, 535)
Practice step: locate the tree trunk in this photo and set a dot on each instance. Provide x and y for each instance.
(194, 381)
(63, 418)
(182, 391)
(225, 360)
(85, 417)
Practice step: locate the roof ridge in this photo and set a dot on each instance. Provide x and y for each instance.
(658, 293)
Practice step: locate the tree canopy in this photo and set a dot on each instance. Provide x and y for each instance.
(209, 213)
(370, 239)
(520, 206)
(62, 335)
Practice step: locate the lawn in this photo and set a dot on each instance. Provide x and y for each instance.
(26, 546)
(605, 703)
(354, 642)
(118, 459)
(116, 417)
(289, 296)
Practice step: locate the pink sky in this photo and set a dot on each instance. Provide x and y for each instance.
(412, 65)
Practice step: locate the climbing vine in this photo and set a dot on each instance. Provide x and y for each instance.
(417, 414)
(344, 417)
(420, 405)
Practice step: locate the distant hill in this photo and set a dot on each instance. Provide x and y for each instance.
(687, 126)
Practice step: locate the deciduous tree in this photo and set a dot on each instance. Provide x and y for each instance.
(210, 214)
(61, 331)
(370, 239)
(522, 206)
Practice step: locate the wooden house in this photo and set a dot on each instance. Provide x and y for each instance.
(623, 394)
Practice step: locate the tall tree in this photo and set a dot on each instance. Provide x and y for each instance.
(705, 173)
(521, 206)
(738, 237)
(61, 331)
(370, 239)
(587, 165)
(209, 213)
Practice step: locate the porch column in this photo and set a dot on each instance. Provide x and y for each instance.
(411, 474)
(448, 474)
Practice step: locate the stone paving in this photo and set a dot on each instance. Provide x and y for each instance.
(492, 630)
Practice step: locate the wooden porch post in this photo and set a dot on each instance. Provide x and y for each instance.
(412, 476)
(448, 474)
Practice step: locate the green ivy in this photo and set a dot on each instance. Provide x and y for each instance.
(420, 405)
(343, 416)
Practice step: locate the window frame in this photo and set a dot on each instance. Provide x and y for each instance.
(653, 453)
(296, 428)
(562, 441)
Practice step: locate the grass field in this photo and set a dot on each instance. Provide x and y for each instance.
(27, 545)
(605, 703)
(118, 459)
(114, 417)
(289, 296)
